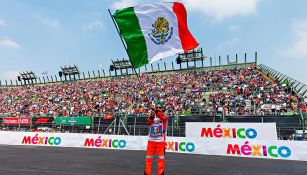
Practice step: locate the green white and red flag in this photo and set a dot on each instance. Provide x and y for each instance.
(154, 31)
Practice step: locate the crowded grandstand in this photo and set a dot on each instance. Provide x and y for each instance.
(164, 99)
(241, 91)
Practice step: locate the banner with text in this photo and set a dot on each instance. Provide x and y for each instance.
(231, 130)
(16, 121)
(274, 149)
(77, 121)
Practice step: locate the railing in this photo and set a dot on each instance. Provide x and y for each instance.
(136, 125)
(299, 87)
(101, 74)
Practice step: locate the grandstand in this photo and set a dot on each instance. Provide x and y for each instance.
(117, 104)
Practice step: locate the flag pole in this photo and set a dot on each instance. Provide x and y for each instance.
(118, 32)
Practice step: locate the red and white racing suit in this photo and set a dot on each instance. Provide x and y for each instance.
(156, 142)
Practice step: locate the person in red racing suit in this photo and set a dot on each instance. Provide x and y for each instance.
(156, 140)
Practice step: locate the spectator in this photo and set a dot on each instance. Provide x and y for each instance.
(239, 91)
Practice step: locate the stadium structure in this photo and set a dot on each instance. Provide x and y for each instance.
(108, 110)
(94, 102)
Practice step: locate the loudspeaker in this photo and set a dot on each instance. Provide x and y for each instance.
(60, 73)
(112, 67)
(178, 60)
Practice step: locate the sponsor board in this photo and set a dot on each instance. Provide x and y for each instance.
(16, 121)
(231, 130)
(76, 121)
(252, 148)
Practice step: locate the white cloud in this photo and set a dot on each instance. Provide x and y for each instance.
(292, 57)
(298, 48)
(227, 44)
(123, 3)
(96, 25)
(53, 23)
(222, 9)
(9, 75)
(2, 23)
(8, 43)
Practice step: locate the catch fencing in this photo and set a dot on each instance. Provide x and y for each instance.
(123, 124)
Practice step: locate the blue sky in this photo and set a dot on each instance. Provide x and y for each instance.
(42, 35)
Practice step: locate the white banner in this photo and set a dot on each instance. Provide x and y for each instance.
(274, 149)
(74, 140)
(231, 130)
(266, 149)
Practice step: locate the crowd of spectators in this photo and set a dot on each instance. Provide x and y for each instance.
(239, 91)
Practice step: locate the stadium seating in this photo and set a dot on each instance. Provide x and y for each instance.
(238, 91)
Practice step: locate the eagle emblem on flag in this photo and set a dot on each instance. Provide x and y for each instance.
(161, 31)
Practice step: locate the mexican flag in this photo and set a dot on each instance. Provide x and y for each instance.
(154, 31)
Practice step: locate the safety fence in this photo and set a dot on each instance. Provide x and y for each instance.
(136, 125)
(249, 148)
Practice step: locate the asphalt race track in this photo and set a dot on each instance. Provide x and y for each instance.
(29, 160)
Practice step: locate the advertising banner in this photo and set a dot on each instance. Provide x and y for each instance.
(77, 121)
(16, 121)
(42, 120)
(265, 149)
(231, 130)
